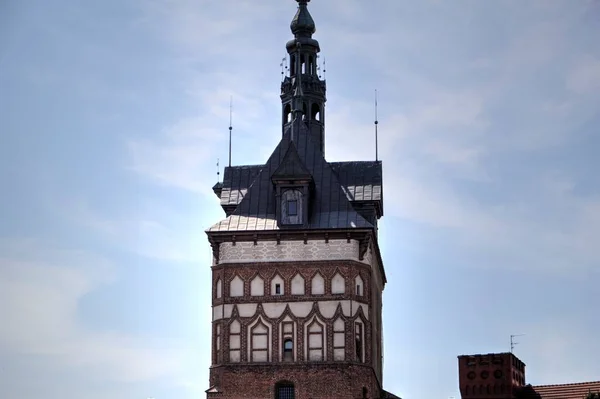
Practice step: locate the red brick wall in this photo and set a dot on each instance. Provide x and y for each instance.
(311, 381)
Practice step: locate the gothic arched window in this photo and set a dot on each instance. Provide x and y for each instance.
(359, 340)
(339, 340)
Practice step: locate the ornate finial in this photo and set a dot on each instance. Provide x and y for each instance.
(303, 24)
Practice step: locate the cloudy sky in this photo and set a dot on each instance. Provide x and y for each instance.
(113, 115)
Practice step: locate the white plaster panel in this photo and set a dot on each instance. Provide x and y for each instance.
(339, 354)
(234, 356)
(257, 286)
(317, 285)
(338, 284)
(328, 308)
(234, 342)
(298, 285)
(301, 309)
(338, 339)
(247, 309)
(268, 251)
(236, 287)
(259, 357)
(217, 312)
(235, 327)
(274, 310)
(365, 309)
(219, 288)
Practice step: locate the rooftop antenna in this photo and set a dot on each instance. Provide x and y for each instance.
(230, 126)
(512, 341)
(376, 123)
(218, 172)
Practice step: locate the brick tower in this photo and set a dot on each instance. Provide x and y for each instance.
(297, 274)
(491, 376)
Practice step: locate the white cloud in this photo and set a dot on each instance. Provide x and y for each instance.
(41, 291)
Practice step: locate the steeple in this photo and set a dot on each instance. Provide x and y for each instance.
(303, 92)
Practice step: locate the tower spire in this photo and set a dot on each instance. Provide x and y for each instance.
(303, 91)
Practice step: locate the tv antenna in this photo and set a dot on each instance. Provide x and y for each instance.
(376, 132)
(512, 341)
(230, 126)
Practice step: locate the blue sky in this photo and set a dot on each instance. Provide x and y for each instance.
(112, 117)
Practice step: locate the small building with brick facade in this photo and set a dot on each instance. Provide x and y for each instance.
(297, 274)
(502, 376)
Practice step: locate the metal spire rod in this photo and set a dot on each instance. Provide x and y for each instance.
(230, 126)
(512, 342)
(376, 131)
(218, 172)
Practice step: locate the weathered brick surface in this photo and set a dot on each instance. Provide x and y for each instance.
(311, 381)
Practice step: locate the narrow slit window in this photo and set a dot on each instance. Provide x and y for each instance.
(278, 289)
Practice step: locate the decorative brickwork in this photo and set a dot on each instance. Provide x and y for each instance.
(271, 251)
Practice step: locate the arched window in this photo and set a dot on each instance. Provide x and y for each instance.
(284, 390)
(311, 65)
(489, 389)
(287, 113)
(481, 389)
(293, 65)
(288, 350)
(316, 343)
(259, 345)
(502, 388)
(365, 392)
(315, 112)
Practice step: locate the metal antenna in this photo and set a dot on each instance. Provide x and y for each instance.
(218, 172)
(324, 69)
(512, 341)
(230, 126)
(376, 132)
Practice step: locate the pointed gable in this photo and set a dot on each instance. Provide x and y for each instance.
(291, 166)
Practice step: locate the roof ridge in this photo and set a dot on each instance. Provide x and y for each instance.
(566, 384)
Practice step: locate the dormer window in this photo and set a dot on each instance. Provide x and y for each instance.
(292, 208)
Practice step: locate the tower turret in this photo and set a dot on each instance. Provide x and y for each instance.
(303, 92)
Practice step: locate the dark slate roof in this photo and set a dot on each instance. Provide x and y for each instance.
(236, 181)
(362, 180)
(331, 207)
